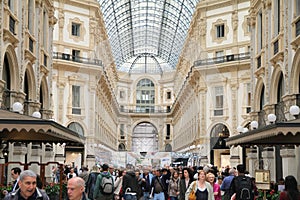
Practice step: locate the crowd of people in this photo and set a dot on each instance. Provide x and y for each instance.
(168, 183)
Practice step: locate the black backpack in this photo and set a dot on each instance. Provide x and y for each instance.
(243, 188)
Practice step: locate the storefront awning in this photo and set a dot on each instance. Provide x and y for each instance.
(283, 133)
(15, 127)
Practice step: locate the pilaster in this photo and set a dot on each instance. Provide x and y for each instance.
(252, 158)
(90, 161)
(35, 156)
(269, 161)
(289, 166)
(234, 156)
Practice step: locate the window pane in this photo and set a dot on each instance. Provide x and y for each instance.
(75, 96)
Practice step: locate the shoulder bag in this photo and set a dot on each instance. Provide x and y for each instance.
(192, 195)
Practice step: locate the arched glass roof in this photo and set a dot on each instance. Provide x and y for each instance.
(156, 28)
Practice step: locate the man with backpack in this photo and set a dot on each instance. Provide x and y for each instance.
(241, 186)
(104, 187)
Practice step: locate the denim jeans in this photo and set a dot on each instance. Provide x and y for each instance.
(130, 197)
(159, 196)
(146, 195)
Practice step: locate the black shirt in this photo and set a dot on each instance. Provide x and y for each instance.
(202, 195)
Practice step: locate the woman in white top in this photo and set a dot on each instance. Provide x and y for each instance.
(118, 185)
(201, 187)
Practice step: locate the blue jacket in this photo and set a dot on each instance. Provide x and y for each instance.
(226, 183)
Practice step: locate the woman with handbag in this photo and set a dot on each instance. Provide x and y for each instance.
(200, 189)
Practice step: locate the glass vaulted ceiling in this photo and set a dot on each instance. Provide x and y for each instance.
(147, 36)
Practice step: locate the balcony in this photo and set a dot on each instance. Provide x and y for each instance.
(78, 59)
(138, 110)
(222, 59)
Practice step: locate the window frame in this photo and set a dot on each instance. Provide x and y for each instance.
(75, 29)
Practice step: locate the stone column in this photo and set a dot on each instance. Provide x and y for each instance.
(234, 156)
(252, 158)
(35, 156)
(289, 167)
(19, 152)
(90, 161)
(49, 157)
(269, 162)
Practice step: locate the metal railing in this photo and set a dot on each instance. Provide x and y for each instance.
(222, 59)
(145, 110)
(69, 57)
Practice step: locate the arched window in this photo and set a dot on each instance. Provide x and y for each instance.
(121, 147)
(262, 98)
(280, 89)
(76, 127)
(145, 96)
(6, 78)
(26, 91)
(279, 107)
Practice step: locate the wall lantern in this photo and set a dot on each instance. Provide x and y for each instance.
(254, 125)
(294, 110)
(17, 107)
(240, 129)
(271, 118)
(36, 114)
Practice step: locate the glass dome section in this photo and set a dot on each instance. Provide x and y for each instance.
(154, 28)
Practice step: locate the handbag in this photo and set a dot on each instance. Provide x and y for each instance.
(192, 195)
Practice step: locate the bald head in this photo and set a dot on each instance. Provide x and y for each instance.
(78, 181)
(232, 171)
(75, 188)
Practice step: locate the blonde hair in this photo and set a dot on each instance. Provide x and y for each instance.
(208, 175)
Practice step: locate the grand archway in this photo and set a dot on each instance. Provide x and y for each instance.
(144, 138)
(220, 153)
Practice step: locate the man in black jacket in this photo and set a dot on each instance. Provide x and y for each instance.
(130, 186)
(157, 187)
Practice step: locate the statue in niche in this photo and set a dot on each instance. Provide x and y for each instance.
(61, 18)
(234, 20)
(202, 24)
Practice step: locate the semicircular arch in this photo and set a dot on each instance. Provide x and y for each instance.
(295, 74)
(13, 67)
(257, 93)
(31, 82)
(44, 94)
(277, 73)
